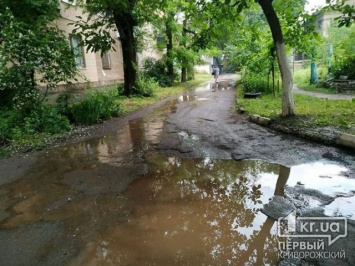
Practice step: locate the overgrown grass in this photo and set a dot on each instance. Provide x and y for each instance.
(316, 112)
(302, 77)
(95, 107)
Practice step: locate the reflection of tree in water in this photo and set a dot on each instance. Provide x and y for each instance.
(230, 202)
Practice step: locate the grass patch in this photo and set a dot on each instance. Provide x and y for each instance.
(314, 112)
(316, 88)
(302, 77)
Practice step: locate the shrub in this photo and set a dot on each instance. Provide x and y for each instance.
(344, 67)
(120, 89)
(63, 105)
(156, 69)
(255, 83)
(94, 107)
(145, 86)
(44, 119)
(7, 123)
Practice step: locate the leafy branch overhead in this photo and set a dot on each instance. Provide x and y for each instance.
(33, 54)
(95, 33)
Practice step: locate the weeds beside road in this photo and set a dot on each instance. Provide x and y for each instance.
(98, 104)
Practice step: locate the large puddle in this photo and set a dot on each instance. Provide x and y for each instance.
(120, 202)
(204, 212)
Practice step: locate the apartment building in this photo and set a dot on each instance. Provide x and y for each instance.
(322, 25)
(324, 19)
(97, 70)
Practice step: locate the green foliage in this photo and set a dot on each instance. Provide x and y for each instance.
(250, 46)
(255, 83)
(317, 111)
(145, 86)
(302, 76)
(156, 69)
(348, 13)
(7, 123)
(94, 107)
(44, 119)
(31, 55)
(344, 67)
(64, 102)
(96, 31)
(302, 79)
(32, 12)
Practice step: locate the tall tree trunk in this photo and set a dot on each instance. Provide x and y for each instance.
(288, 108)
(169, 47)
(184, 61)
(183, 74)
(125, 25)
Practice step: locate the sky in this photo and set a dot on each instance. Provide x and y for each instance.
(314, 3)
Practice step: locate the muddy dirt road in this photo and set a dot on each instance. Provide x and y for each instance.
(178, 183)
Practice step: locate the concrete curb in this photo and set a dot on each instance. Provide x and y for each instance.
(339, 139)
(260, 120)
(346, 140)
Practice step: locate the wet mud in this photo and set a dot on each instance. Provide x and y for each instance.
(183, 182)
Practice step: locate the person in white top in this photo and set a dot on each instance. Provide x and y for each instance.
(216, 73)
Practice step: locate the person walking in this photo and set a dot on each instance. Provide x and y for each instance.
(216, 73)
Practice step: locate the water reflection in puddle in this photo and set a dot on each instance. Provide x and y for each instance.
(183, 212)
(187, 98)
(326, 177)
(198, 212)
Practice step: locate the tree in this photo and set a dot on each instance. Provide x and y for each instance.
(348, 12)
(103, 16)
(286, 74)
(32, 54)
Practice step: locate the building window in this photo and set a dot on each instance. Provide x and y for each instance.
(106, 61)
(71, 2)
(75, 42)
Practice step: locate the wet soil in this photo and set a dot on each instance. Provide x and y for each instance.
(181, 182)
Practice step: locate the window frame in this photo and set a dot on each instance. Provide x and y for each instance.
(78, 50)
(109, 63)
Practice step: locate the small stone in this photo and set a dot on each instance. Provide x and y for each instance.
(278, 207)
(241, 111)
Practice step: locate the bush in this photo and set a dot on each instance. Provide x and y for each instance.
(43, 119)
(344, 67)
(46, 119)
(145, 86)
(63, 105)
(255, 83)
(7, 123)
(94, 107)
(156, 69)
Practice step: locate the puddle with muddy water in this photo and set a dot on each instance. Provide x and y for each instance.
(117, 201)
(202, 212)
